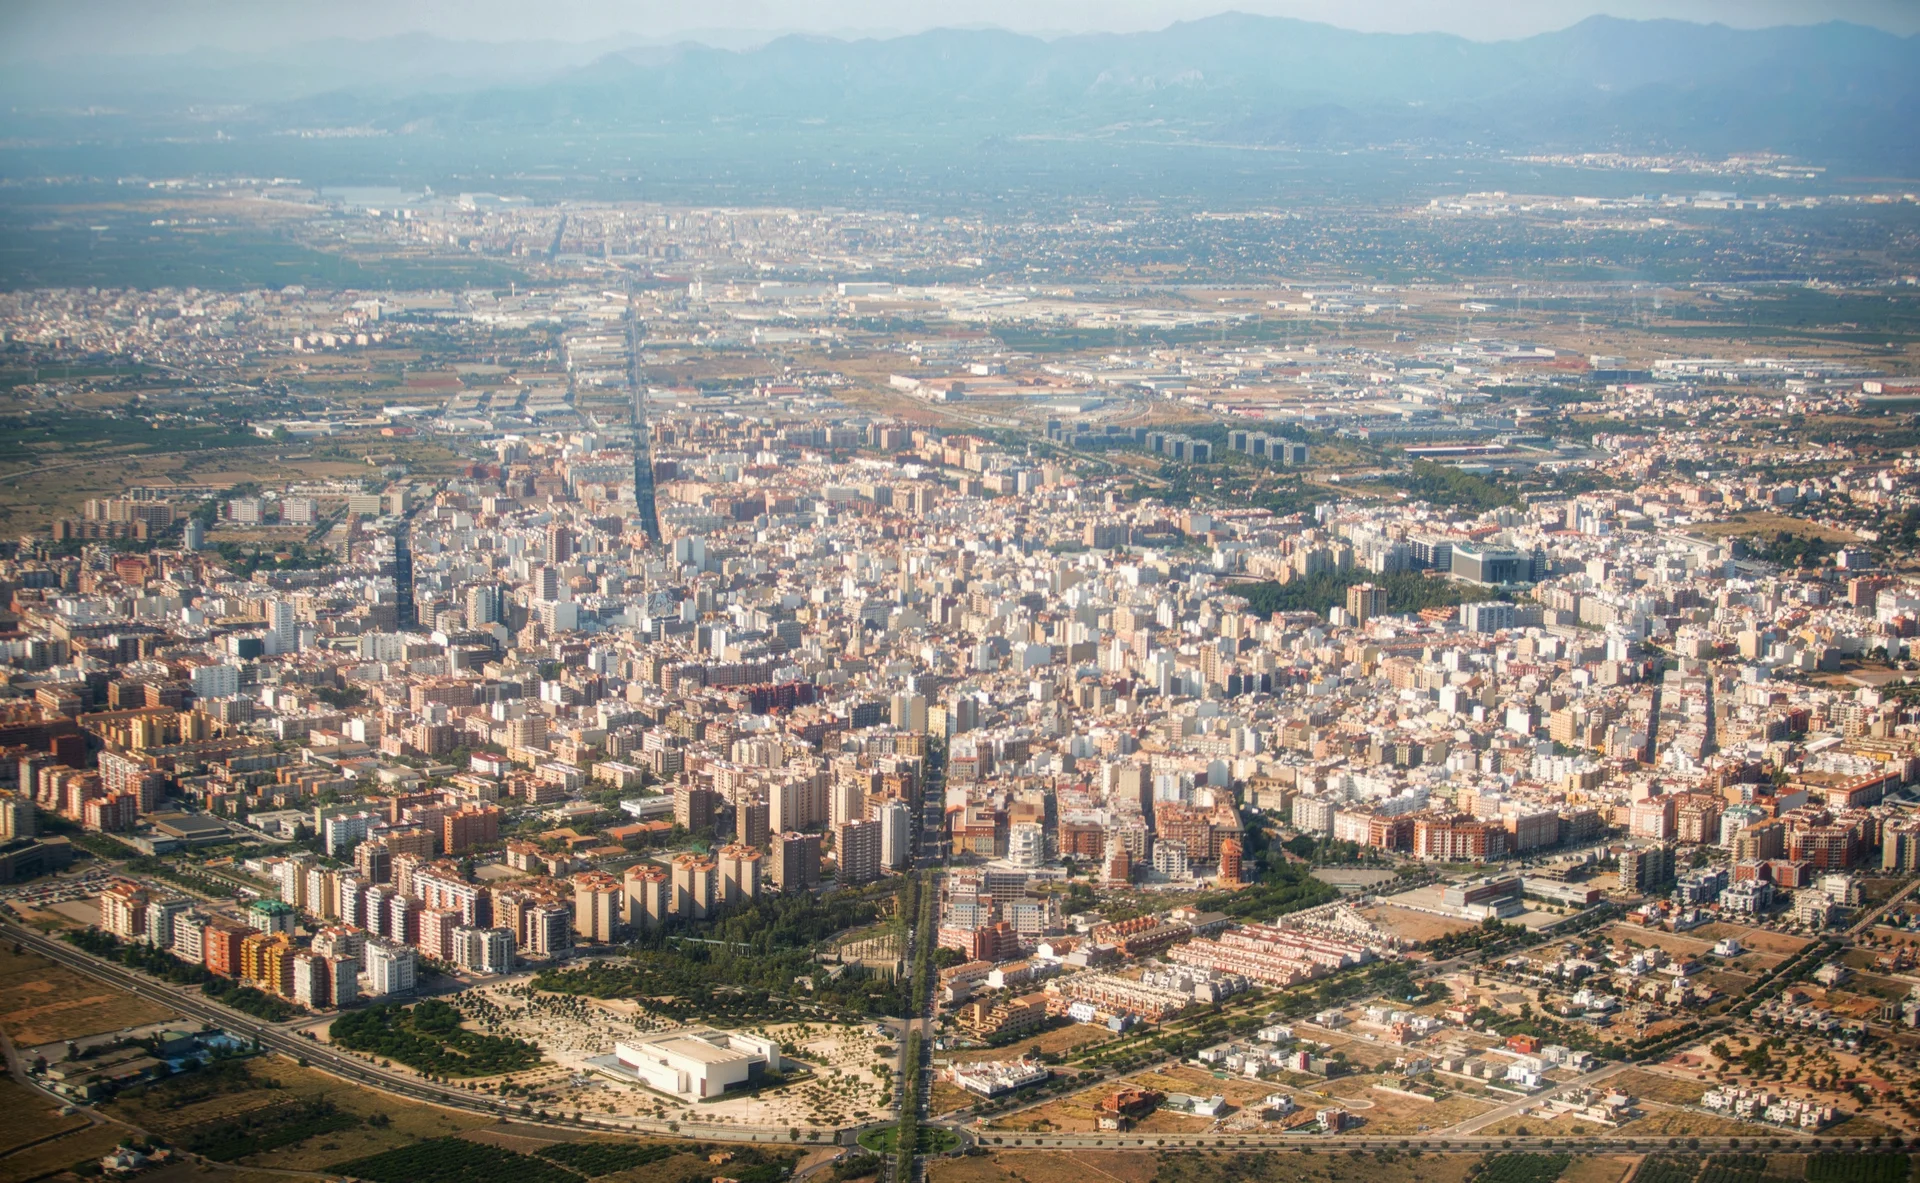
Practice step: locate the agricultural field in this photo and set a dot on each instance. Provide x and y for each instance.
(1283, 1166)
(41, 1002)
(222, 1105)
(26, 1116)
(469, 1160)
(1599, 1169)
(80, 1146)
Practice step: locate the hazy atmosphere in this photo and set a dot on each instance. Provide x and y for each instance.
(41, 28)
(1127, 592)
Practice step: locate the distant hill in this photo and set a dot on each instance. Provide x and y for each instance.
(1835, 94)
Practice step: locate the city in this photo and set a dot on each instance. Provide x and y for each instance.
(629, 688)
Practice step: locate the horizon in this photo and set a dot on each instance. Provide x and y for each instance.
(48, 33)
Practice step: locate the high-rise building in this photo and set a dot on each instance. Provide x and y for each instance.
(799, 803)
(847, 799)
(549, 930)
(437, 926)
(896, 835)
(739, 870)
(485, 604)
(123, 910)
(909, 712)
(483, 950)
(751, 820)
(273, 916)
(406, 612)
(696, 886)
(795, 861)
(560, 542)
(375, 860)
(471, 827)
(403, 919)
(189, 938)
(221, 941)
(644, 504)
(1230, 863)
(857, 845)
(345, 986)
(392, 968)
(283, 630)
(17, 818)
(1645, 867)
(693, 807)
(161, 916)
(649, 895)
(1366, 601)
(379, 904)
(312, 981)
(597, 909)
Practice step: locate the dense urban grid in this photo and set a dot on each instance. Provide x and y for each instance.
(810, 681)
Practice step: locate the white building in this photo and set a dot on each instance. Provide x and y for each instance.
(698, 1063)
(391, 967)
(216, 681)
(483, 950)
(189, 929)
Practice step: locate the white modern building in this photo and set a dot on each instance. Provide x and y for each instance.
(698, 1063)
(391, 967)
(483, 950)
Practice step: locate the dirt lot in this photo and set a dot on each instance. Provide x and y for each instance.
(1759, 939)
(1078, 1037)
(1654, 1086)
(1666, 1123)
(1411, 925)
(946, 1097)
(45, 921)
(41, 1002)
(1391, 1113)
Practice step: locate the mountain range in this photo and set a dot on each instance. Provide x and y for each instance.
(1839, 95)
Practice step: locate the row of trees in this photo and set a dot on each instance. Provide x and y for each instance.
(163, 965)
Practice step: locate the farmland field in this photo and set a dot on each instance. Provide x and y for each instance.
(26, 1116)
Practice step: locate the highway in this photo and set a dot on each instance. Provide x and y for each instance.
(194, 1005)
(359, 1071)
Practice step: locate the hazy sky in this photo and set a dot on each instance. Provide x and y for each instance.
(48, 28)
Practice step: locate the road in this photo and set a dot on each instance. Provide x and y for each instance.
(280, 1038)
(352, 1068)
(1873, 914)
